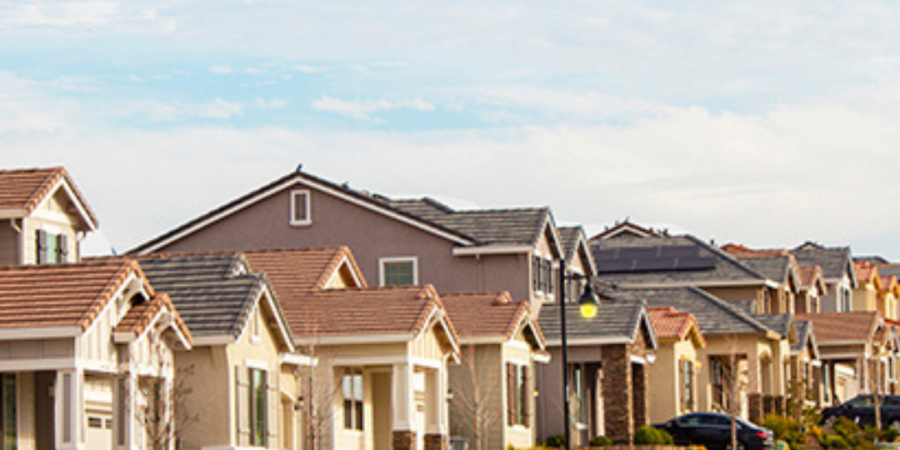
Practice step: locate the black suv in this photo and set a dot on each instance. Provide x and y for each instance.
(713, 431)
(861, 409)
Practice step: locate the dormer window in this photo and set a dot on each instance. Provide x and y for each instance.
(51, 248)
(300, 208)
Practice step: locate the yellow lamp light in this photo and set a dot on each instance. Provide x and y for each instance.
(588, 303)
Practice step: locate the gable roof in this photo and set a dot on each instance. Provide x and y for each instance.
(834, 261)
(775, 264)
(213, 293)
(780, 323)
(303, 269)
(573, 241)
(806, 337)
(491, 315)
(485, 227)
(833, 328)
(811, 276)
(626, 229)
(363, 315)
(23, 190)
(670, 324)
(723, 269)
(615, 323)
(144, 314)
(63, 295)
(715, 317)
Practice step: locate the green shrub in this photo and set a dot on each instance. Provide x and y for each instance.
(834, 441)
(647, 435)
(556, 441)
(846, 429)
(890, 434)
(600, 441)
(780, 425)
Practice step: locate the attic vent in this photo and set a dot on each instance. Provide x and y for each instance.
(137, 299)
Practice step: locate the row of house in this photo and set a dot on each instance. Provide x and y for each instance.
(311, 315)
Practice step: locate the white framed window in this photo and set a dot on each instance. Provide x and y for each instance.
(352, 392)
(399, 271)
(258, 410)
(301, 208)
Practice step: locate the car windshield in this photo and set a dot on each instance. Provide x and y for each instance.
(861, 401)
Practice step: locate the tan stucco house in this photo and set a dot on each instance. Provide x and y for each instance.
(80, 343)
(674, 373)
(492, 401)
(242, 344)
(607, 372)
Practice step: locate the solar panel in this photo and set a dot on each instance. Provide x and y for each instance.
(652, 259)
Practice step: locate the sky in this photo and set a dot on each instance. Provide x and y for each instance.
(767, 123)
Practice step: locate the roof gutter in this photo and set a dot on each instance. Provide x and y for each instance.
(492, 250)
(600, 340)
(355, 339)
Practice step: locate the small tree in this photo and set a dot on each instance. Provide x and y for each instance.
(318, 392)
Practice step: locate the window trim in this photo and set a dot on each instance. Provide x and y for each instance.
(398, 259)
(252, 410)
(308, 221)
(357, 414)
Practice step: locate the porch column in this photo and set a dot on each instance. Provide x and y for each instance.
(403, 429)
(435, 422)
(123, 418)
(69, 400)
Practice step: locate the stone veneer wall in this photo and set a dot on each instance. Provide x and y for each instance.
(435, 442)
(617, 393)
(404, 440)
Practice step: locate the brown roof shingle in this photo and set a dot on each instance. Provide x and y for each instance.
(141, 315)
(62, 294)
(26, 188)
(301, 269)
(485, 314)
(842, 326)
(361, 311)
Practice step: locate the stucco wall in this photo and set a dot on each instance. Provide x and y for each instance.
(482, 365)
(370, 235)
(664, 379)
(209, 383)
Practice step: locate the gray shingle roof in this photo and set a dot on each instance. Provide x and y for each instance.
(834, 261)
(713, 315)
(205, 289)
(779, 323)
(568, 239)
(775, 268)
(805, 333)
(613, 320)
(518, 226)
(726, 267)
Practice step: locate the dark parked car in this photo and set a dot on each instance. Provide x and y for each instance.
(861, 409)
(713, 431)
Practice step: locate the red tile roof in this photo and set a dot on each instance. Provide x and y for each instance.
(668, 323)
(26, 189)
(742, 251)
(140, 316)
(301, 269)
(487, 314)
(842, 326)
(62, 294)
(809, 274)
(360, 311)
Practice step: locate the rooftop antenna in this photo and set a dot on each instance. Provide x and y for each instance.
(299, 167)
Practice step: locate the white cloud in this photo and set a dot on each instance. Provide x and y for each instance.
(83, 14)
(221, 70)
(363, 109)
(307, 68)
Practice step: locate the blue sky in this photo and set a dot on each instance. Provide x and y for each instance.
(762, 122)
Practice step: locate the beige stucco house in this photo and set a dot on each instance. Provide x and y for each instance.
(42, 217)
(492, 401)
(80, 345)
(382, 353)
(238, 398)
(674, 374)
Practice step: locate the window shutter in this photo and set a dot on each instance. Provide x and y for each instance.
(682, 384)
(526, 396)
(41, 247)
(242, 405)
(510, 394)
(273, 406)
(63, 248)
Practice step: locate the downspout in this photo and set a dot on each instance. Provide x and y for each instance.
(21, 256)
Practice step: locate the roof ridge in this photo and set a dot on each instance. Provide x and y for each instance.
(725, 255)
(728, 308)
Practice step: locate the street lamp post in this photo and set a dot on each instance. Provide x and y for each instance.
(587, 304)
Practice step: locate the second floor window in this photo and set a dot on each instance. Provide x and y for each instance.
(687, 385)
(51, 248)
(543, 280)
(399, 271)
